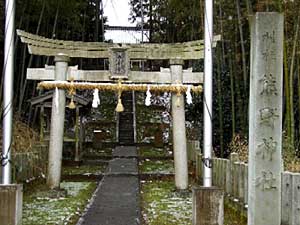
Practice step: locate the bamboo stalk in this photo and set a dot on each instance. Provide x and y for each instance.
(291, 83)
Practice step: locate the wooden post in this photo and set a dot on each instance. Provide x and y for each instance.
(57, 124)
(265, 120)
(234, 157)
(287, 198)
(295, 199)
(179, 133)
(11, 204)
(81, 135)
(236, 177)
(77, 123)
(208, 206)
(246, 186)
(199, 166)
(241, 186)
(42, 123)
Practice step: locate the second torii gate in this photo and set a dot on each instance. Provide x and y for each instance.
(119, 57)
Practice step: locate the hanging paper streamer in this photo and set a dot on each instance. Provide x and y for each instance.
(148, 97)
(188, 95)
(96, 98)
(56, 100)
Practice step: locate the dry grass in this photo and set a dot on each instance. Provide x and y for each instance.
(24, 137)
(239, 144)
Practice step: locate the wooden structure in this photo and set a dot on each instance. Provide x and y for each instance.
(44, 102)
(232, 176)
(120, 55)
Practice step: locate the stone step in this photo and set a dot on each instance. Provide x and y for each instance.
(126, 130)
(127, 138)
(116, 200)
(126, 119)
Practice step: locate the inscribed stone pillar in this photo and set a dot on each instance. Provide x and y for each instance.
(265, 125)
(179, 133)
(57, 124)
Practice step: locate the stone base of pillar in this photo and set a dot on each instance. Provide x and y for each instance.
(11, 199)
(208, 206)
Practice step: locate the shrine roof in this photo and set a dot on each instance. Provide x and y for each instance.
(49, 95)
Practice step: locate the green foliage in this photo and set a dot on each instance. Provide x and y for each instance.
(168, 20)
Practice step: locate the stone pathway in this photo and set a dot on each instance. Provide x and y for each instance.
(116, 200)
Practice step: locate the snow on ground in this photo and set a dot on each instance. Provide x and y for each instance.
(162, 205)
(40, 209)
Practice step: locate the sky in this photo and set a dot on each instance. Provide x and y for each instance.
(117, 12)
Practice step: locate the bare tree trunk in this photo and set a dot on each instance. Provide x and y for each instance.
(249, 7)
(23, 89)
(220, 103)
(102, 21)
(83, 35)
(97, 20)
(291, 83)
(287, 95)
(298, 104)
(202, 14)
(232, 95)
(238, 10)
(221, 28)
(54, 26)
(150, 21)
(15, 50)
(240, 116)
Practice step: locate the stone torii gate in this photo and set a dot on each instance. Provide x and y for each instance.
(119, 56)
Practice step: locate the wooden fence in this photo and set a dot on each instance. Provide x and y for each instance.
(29, 165)
(232, 176)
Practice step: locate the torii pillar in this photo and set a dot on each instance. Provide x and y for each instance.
(57, 124)
(179, 133)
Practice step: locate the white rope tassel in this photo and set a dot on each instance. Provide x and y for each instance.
(188, 95)
(56, 100)
(96, 99)
(148, 97)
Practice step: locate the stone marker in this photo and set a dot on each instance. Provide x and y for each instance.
(208, 206)
(11, 198)
(57, 124)
(179, 134)
(265, 125)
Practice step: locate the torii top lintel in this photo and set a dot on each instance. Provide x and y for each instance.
(39, 45)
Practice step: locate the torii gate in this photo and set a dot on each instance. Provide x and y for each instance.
(119, 56)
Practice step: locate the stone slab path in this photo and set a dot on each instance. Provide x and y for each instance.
(116, 200)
